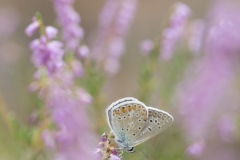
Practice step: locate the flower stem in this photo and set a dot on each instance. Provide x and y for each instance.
(4, 114)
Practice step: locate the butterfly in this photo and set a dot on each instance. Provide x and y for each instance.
(132, 122)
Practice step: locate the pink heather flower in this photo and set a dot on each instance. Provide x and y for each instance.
(114, 22)
(51, 32)
(114, 157)
(47, 54)
(77, 68)
(73, 137)
(116, 48)
(48, 139)
(199, 95)
(69, 20)
(224, 28)
(226, 128)
(201, 98)
(83, 51)
(112, 65)
(84, 96)
(172, 34)
(196, 149)
(32, 28)
(146, 47)
(125, 16)
(196, 36)
(107, 15)
(105, 149)
(33, 118)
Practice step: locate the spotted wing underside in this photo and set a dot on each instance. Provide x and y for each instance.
(127, 119)
(157, 122)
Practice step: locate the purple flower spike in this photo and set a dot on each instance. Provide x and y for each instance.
(146, 47)
(47, 54)
(83, 96)
(114, 22)
(69, 21)
(105, 149)
(114, 157)
(77, 68)
(104, 139)
(196, 36)
(83, 51)
(114, 152)
(207, 100)
(172, 34)
(112, 65)
(48, 139)
(196, 149)
(51, 32)
(226, 128)
(32, 28)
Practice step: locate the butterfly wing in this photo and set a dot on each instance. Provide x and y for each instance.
(157, 122)
(111, 107)
(126, 118)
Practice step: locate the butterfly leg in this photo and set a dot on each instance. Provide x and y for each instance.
(121, 152)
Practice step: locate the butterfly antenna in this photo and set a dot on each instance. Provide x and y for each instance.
(143, 154)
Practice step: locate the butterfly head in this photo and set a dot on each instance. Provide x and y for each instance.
(131, 150)
(125, 146)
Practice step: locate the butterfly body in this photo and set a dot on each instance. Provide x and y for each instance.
(132, 122)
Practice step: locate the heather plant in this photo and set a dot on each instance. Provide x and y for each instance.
(190, 69)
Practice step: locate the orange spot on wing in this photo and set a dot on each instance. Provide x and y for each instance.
(134, 107)
(129, 108)
(117, 112)
(139, 108)
(154, 114)
(123, 109)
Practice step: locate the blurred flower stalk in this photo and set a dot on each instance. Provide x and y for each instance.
(191, 69)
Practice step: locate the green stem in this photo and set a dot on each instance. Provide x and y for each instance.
(4, 114)
(146, 81)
